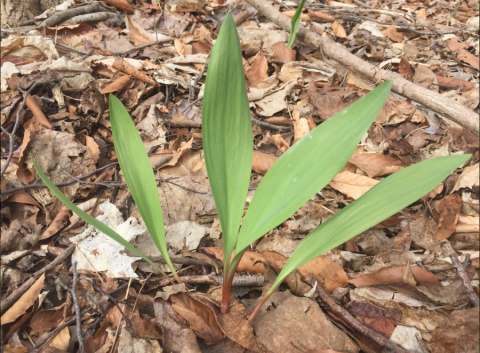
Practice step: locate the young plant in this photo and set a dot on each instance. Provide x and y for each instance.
(304, 169)
(140, 179)
(295, 23)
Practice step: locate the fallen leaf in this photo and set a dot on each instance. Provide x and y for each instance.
(328, 101)
(328, 273)
(375, 164)
(199, 316)
(121, 4)
(459, 335)
(374, 317)
(469, 178)
(450, 208)
(257, 71)
(321, 16)
(393, 274)
(61, 341)
(46, 320)
(117, 85)
(455, 83)
(251, 261)
(405, 69)
(425, 77)
(282, 52)
(407, 338)
(392, 33)
(351, 184)
(25, 302)
(128, 344)
(296, 325)
(300, 125)
(291, 13)
(262, 162)
(339, 30)
(178, 336)
(138, 35)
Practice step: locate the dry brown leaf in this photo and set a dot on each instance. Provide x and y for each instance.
(459, 335)
(23, 197)
(121, 4)
(291, 13)
(328, 101)
(61, 341)
(257, 71)
(328, 273)
(405, 69)
(200, 317)
(282, 52)
(290, 324)
(58, 223)
(300, 124)
(117, 85)
(394, 274)
(450, 208)
(422, 13)
(93, 146)
(46, 320)
(469, 178)
(279, 120)
(25, 302)
(457, 84)
(375, 164)
(251, 262)
(321, 16)
(177, 334)
(392, 33)
(15, 349)
(262, 162)
(425, 77)
(351, 184)
(138, 35)
(339, 30)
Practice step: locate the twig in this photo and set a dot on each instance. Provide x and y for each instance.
(271, 126)
(12, 298)
(71, 321)
(195, 83)
(91, 182)
(76, 303)
(11, 135)
(96, 17)
(345, 315)
(179, 260)
(115, 301)
(141, 46)
(75, 50)
(461, 272)
(61, 16)
(238, 281)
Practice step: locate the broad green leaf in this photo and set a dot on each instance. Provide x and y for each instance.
(227, 132)
(295, 23)
(89, 219)
(138, 173)
(307, 166)
(391, 195)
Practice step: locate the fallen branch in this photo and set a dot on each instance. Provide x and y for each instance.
(111, 17)
(62, 16)
(441, 105)
(76, 303)
(12, 298)
(123, 66)
(345, 315)
(461, 272)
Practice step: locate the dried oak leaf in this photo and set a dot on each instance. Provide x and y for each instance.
(395, 274)
(450, 208)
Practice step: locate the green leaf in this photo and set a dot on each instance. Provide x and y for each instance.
(138, 173)
(391, 195)
(295, 23)
(89, 219)
(307, 166)
(227, 132)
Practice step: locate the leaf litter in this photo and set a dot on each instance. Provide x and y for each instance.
(396, 279)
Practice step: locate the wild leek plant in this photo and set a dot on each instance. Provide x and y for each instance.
(295, 23)
(138, 173)
(303, 170)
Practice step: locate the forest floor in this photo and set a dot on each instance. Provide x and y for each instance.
(411, 283)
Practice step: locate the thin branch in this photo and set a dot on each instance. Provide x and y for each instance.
(11, 135)
(461, 272)
(15, 296)
(71, 321)
(345, 315)
(76, 303)
(271, 126)
(115, 301)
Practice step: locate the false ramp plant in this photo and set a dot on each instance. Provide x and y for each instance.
(303, 170)
(138, 173)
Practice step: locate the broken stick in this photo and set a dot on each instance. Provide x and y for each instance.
(443, 106)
